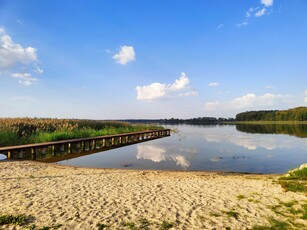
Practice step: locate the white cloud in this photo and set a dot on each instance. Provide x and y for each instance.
(242, 24)
(248, 101)
(269, 87)
(260, 13)
(14, 56)
(267, 3)
(38, 69)
(251, 100)
(25, 83)
(12, 53)
(250, 11)
(21, 75)
(213, 84)
(25, 78)
(125, 55)
(305, 96)
(180, 88)
(220, 26)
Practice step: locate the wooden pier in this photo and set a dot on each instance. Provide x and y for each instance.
(41, 151)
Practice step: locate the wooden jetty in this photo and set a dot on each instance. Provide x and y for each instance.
(83, 145)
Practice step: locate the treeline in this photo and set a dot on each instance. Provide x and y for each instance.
(192, 121)
(296, 114)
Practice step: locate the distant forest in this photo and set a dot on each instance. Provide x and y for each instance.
(296, 114)
(192, 121)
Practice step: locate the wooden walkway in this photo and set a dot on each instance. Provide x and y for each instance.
(52, 149)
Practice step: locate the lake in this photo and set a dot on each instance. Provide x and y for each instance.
(229, 148)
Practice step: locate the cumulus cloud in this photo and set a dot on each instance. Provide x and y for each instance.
(257, 12)
(180, 88)
(125, 55)
(267, 3)
(251, 11)
(260, 13)
(220, 26)
(25, 79)
(247, 101)
(14, 56)
(12, 53)
(242, 24)
(269, 87)
(213, 84)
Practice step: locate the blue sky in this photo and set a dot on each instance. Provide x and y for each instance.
(151, 59)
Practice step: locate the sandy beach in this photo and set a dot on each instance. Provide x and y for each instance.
(82, 198)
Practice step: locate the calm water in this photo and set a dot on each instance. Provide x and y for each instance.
(241, 148)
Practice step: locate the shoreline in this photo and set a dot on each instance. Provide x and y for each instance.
(82, 198)
(149, 170)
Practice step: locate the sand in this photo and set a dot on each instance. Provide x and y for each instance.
(81, 198)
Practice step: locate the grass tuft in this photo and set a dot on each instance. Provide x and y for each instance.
(295, 181)
(144, 224)
(293, 186)
(102, 226)
(166, 225)
(129, 225)
(232, 214)
(10, 219)
(241, 197)
(274, 225)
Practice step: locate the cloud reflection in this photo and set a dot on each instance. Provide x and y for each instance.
(251, 141)
(158, 153)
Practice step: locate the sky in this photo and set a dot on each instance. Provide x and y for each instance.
(152, 59)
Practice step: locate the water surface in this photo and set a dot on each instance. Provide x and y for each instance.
(253, 149)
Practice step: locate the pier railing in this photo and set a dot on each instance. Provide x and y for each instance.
(93, 144)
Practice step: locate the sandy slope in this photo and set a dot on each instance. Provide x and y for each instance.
(80, 198)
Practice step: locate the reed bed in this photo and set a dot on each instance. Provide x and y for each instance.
(17, 131)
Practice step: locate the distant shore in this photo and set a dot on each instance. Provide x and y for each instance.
(84, 198)
(268, 122)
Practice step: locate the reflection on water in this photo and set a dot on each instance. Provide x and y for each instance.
(218, 148)
(157, 153)
(297, 130)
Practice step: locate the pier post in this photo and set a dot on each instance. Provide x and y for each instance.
(33, 153)
(20, 154)
(69, 148)
(94, 145)
(62, 148)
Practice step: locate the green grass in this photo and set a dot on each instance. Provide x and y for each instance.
(241, 197)
(166, 225)
(232, 214)
(293, 186)
(144, 224)
(129, 225)
(102, 226)
(274, 225)
(289, 204)
(29, 133)
(11, 219)
(297, 175)
(296, 181)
